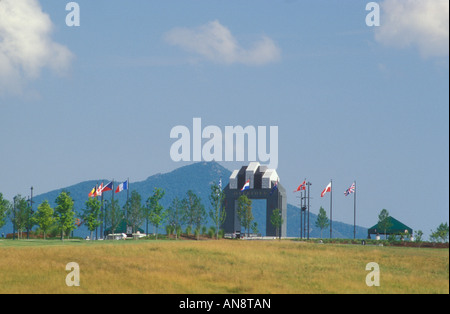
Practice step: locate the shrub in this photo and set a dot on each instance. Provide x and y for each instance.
(211, 232)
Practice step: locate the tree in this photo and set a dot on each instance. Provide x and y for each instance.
(135, 211)
(244, 212)
(44, 217)
(91, 214)
(20, 214)
(195, 213)
(156, 210)
(114, 215)
(217, 211)
(175, 215)
(64, 213)
(255, 227)
(384, 222)
(418, 237)
(441, 233)
(322, 221)
(5, 207)
(276, 220)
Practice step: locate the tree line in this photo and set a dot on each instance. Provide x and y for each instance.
(384, 223)
(188, 211)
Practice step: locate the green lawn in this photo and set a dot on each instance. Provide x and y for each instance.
(224, 266)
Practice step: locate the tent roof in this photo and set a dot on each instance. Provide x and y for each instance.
(396, 227)
(122, 228)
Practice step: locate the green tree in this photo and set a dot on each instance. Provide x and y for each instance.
(244, 211)
(5, 207)
(276, 220)
(20, 214)
(195, 213)
(114, 215)
(135, 211)
(64, 213)
(217, 210)
(384, 221)
(156, 210)
(441, 233)
(418, 237)
(255, 227)
(322, 221)
(44, 217)
(175, 215)
(91, 214)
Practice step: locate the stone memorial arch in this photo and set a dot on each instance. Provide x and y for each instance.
(262, 183)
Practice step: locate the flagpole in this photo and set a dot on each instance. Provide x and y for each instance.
(354, 213)
(301, 215)
(128, 204)
(112, 195)
(112, 202)
(309, 184)
(331, 209)
(103, 214)
(128, 188)
(305, 215)
(96, 197)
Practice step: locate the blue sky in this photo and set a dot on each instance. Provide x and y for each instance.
(351, 102)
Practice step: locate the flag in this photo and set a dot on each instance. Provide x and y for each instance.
(122, 186)
(246, 185)
(327, 189)
(107, 187)
(98, 192)
(301, 186)
(350, 190)
(92, 193)
(275, 186)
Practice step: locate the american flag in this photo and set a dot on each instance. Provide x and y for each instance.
(350, 190)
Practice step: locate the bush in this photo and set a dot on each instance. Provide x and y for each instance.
(169, 230)
(197, 232)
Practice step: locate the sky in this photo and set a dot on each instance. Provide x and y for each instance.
(93, 91)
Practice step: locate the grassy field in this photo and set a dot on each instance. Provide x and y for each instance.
(218, 267)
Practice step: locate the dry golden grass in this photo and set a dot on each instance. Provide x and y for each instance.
(219, 267)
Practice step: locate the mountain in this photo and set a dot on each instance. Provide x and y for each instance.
(198, 177)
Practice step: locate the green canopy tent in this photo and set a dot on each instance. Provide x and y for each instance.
(396, 227)
(122, 228)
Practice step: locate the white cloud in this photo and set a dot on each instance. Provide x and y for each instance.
(216, 43)
(26, 46)
(420, 23)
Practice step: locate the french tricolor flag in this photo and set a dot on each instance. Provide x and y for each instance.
(246, 186)
(122, 186)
